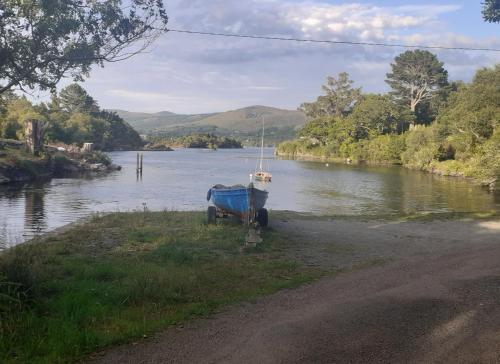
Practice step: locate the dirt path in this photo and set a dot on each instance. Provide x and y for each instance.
(437, 303)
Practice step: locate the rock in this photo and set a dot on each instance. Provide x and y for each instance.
(97, 167)
(4, 179)
(11, 143)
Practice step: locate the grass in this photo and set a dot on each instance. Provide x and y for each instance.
(12, 156)
(124, 276)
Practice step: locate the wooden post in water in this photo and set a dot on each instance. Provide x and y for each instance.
(140, 159)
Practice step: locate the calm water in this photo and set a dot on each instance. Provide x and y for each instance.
(180, 180)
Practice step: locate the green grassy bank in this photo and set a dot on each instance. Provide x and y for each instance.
(124, 276)
(18, 165)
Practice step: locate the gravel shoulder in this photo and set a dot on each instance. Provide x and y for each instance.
(435, 301)
(336, 243)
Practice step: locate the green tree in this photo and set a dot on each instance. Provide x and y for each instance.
(43, 41)
(74, 99)
(473, 112)
(318, 129)
(416, 77)
(339, 99)
(428, 110)
(17, 111)
(56, 131)
(376, 115)
(491, 11)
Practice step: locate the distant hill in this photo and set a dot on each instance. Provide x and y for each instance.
(147, 122)
(244, 124)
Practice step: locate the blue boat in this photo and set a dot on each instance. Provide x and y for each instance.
(247, 203)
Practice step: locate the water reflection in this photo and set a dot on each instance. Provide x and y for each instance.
(365, 189)
(34, 210)
(180, 180)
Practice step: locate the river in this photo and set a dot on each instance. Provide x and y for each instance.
(179, 180)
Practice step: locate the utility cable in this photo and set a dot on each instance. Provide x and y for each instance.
(307, 40)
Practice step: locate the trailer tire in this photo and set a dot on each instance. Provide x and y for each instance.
(211, 215)
(262, 217)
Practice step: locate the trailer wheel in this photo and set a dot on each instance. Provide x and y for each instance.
(262, 217)
(211, 214)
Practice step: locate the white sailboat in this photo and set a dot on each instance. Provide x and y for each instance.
(261, 175)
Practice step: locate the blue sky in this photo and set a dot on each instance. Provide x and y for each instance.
(195, 74)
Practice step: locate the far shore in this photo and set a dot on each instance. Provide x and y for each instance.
(491, 184)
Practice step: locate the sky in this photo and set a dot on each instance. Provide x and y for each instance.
(198, 74)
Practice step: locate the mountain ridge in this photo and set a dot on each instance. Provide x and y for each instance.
(245, 121)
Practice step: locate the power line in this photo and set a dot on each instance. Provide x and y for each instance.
(303, 40)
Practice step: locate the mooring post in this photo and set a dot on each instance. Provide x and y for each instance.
(142, 157)
(137, 165)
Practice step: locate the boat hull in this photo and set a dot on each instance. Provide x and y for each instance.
(243, 202)
(263, 176)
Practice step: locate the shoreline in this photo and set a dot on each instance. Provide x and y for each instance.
(18, 166)
(491, 185)
(284, 215)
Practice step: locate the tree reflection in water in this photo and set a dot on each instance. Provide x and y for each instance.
(34, 210)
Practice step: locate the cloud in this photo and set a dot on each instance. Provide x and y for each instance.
(435, 10)
(266, 88)
(194, 73)
(151, 101)
(147, 96)
(310, 19)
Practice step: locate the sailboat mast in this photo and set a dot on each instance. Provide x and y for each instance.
(262, 144)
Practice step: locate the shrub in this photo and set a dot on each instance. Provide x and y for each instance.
(421, 148)
(386, 149)
(462, 144)
(487, 159)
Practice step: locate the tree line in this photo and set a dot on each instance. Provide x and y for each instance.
(198, 140)
(71, 117)
(424, 122)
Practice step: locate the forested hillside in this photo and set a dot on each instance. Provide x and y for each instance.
(425, 122)
(71, 117)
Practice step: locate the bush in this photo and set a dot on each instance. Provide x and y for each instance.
(386, 149)
(462, 144)
(487, 160)
(451, 168)
(421, 148)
